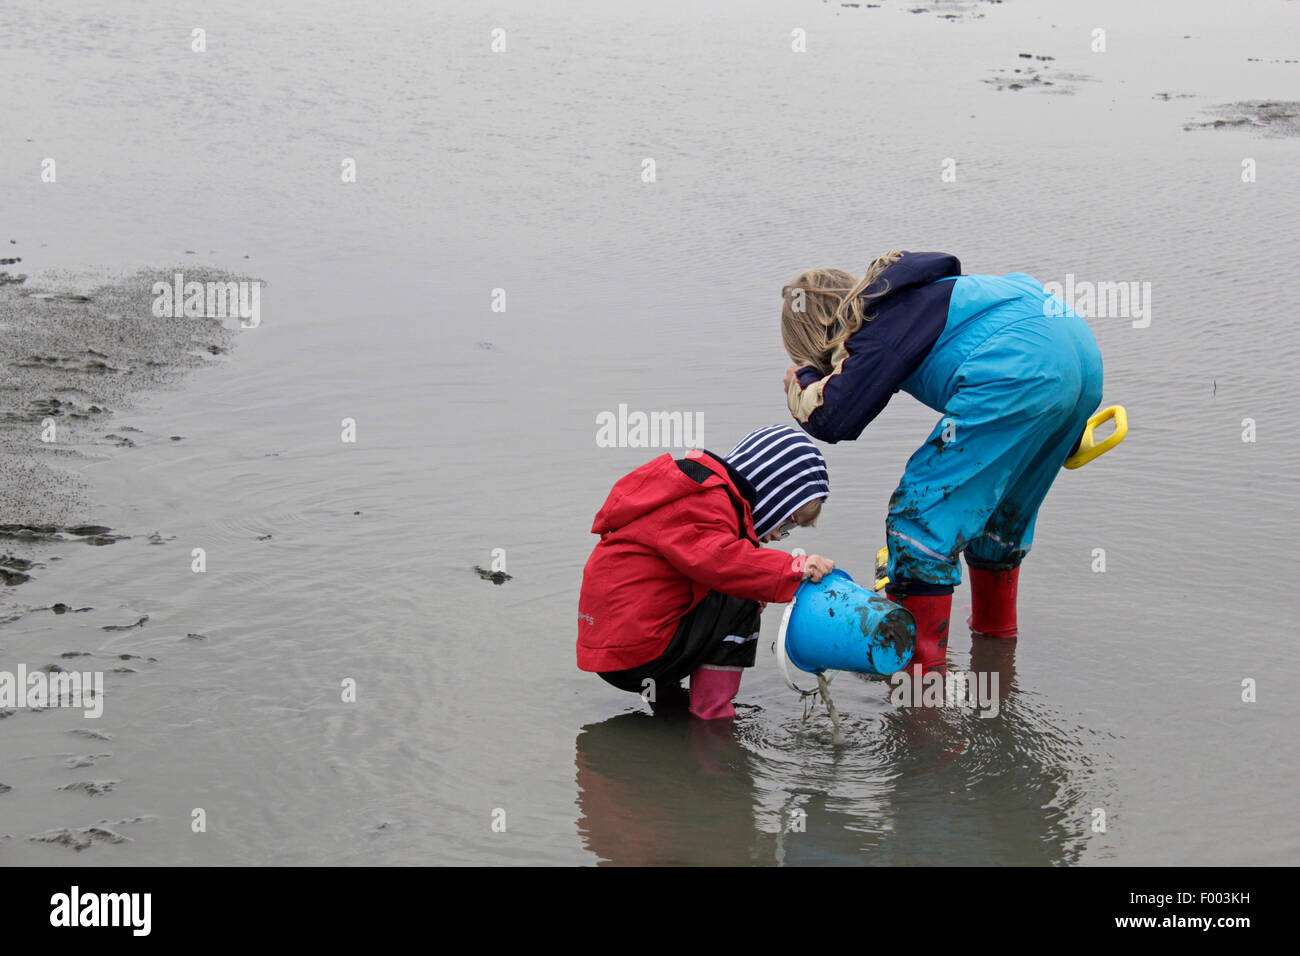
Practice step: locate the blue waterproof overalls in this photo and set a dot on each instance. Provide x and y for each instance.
(1016, 375)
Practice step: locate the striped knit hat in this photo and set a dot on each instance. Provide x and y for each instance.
(786, 469)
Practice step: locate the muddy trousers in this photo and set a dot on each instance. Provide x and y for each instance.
(1022, 399)
(721, 631)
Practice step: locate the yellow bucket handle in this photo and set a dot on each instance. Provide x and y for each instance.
(882, 562)
(1088, 448)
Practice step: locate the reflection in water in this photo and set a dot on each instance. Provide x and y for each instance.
(664, 790)
(911, 786)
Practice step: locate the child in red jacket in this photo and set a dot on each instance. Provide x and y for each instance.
(676, 584)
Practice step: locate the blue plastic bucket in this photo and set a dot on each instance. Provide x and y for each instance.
(836, 624)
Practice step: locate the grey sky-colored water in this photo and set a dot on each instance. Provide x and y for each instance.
(521, 170)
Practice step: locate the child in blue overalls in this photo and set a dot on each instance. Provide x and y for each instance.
(1015, 376)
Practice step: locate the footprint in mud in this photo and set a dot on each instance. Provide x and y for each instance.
(496, 577)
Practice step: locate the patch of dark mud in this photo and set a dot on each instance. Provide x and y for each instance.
(72, 357)
(78, 761)
(496, 577)
(61, 608)
(94, 788)
(1034, 71)
(91, 734)
(79, 838)
(1271, 118)
(14, 569)
(53, 532)
(126, 627)
(950, 10)
(7, 277)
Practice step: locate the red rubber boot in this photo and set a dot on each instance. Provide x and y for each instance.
(993, 602)
(931, 612)
(712, 688)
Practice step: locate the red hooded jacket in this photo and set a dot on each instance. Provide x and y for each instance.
(670, 532)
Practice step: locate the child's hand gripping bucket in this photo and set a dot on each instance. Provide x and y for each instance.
(836, 624)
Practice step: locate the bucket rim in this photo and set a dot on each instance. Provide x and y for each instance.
(783, 656)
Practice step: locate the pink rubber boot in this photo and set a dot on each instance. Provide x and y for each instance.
(712, 688)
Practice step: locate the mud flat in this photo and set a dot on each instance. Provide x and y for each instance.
(74, 358)
(1272, 118)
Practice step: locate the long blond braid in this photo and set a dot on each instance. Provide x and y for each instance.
(823, 307)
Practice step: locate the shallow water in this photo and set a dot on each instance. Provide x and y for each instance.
(476, 429)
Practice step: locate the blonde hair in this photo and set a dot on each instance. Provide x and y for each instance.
(814, 510)
(823, 307)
